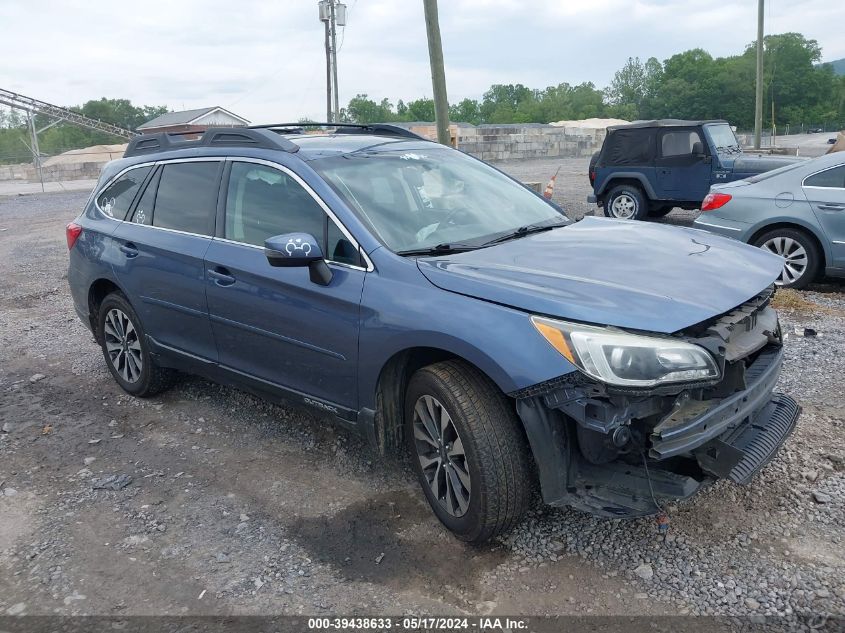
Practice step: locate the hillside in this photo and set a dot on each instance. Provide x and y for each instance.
(838, 66)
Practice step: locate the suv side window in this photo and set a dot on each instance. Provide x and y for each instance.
(116, 199)
(262, 202)
(186, 197)
(830, 178)
(679, 143)
(143, 213)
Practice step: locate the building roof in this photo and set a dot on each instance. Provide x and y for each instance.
(186, 117)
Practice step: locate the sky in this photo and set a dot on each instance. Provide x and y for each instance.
(264, 59)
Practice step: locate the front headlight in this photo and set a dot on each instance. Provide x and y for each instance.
(629, 360)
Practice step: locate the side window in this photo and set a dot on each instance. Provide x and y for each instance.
(262, 202)
(144, 209)
(116, 199)
(678, 143)
(833, 178)
(340, 249)
(186, 199)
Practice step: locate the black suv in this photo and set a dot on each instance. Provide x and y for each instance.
(648, 168)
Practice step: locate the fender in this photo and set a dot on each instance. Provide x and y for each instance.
(627, 175)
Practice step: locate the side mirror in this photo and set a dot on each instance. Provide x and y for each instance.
(293, 250)
(698, 149)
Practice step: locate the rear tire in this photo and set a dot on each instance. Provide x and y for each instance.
(478, 446)
(803, 259)
(626, 202)
(126, 350)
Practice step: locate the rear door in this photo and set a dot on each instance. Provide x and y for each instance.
(275, 324)
(162, 247)
(683, 172)
(825, 191)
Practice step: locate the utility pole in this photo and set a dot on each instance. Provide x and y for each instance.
(332, 15)
(758, 103)
(332, 7)
(326, 23)
(438, 74)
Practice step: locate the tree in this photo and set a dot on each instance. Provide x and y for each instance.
(628, 86)
(362, 109)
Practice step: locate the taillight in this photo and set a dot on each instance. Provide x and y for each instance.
(592, 175)
(715, 201)
(72, 232)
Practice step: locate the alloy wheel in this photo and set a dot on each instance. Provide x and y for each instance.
(122, 345)
(794, 254)
(440, 451)
(623, 207)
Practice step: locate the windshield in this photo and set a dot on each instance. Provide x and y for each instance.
(415, 200)
(723, 137)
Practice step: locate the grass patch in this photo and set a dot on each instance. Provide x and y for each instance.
(789, 299)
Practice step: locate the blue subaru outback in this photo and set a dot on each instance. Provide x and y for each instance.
(431, 303)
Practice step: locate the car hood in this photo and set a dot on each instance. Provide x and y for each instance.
(758, 163)
(629, 274)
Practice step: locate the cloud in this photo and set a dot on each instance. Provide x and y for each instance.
(266, 61)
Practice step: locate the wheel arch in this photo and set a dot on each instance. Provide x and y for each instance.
(627, 178)
(97, 291)
(389, 417)
(795, 226)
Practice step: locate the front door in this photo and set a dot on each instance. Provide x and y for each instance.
(683, 166)
(161, 250)
(275, 324)
(825, 192)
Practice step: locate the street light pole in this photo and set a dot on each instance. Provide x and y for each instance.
(438, 74)
(758, 103)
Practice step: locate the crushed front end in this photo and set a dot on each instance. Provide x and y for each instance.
(620, 451)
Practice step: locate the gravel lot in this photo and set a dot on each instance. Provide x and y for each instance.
(236, 506)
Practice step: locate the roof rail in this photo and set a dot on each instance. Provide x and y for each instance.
(212, 137)
(342, 128)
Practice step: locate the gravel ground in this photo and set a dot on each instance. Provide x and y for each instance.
(232, 505)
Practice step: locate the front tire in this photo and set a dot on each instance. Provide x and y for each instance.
(626, 202)
(468, 450)
(126, 350)
(801, 254)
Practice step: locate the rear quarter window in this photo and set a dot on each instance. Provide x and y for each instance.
(116, 199)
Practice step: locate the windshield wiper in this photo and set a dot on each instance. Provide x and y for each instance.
(439, 249)
(523, 231)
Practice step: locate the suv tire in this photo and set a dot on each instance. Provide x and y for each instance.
(476, 443)
(626, 202)
(800, 251)
(126, 350)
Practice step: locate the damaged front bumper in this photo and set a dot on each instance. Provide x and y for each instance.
(620, 453)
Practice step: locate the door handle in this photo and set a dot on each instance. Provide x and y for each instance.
(221, 276)
(832, 207)
(129, 250)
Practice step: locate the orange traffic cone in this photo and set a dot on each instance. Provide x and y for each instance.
(550, 188)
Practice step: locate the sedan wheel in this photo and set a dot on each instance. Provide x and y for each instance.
(801, 257)
(795, 256)
(123, 345)
(440, 452)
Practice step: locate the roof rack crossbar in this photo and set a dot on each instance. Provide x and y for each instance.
(347, 128)
(212, 137)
